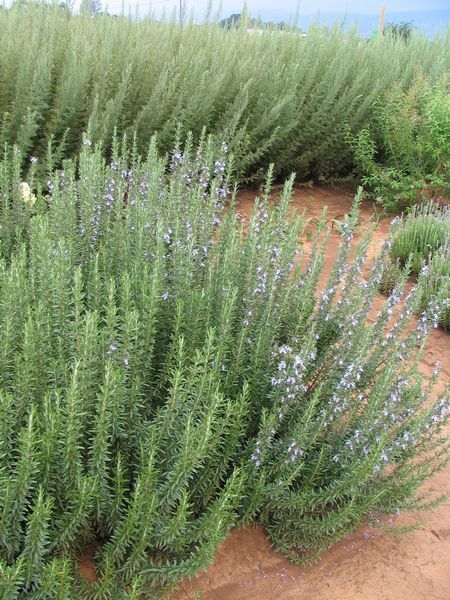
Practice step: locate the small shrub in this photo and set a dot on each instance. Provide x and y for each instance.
(423, 232)
(166, 373)
(422, 242)
(435, 279)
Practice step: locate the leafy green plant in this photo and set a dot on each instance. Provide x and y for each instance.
(167, 373)
(422, 243)
(404, 155)
(422, 232)
(401, 30)
(435, 279)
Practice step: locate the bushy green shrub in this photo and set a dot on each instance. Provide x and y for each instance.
(167, 372)
(404, 154)
(422, 232)
(421, 245)
(276, 97)
(435, 280)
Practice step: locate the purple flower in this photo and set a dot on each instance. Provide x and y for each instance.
(112, 348)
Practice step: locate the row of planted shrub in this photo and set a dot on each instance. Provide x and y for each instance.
(276, 97)
(167, 373)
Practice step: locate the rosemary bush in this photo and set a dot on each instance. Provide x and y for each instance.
(436, 282)
(422, 241)
(423, 231)
(168, 372)
(277, 97)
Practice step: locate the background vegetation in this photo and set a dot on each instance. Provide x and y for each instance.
(403, 155)
(274, 96)
(167, 371)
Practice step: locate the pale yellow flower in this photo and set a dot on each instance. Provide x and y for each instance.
(26, 194)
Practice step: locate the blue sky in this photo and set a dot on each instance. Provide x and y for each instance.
(352, 6)
(306, 6)
(288, 7)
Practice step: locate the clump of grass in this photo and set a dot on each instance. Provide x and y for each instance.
(422, 242)
(167, 373)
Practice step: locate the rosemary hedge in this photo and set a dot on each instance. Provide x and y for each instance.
(168, 372)
(277, 97)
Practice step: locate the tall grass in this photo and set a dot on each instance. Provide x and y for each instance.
(167, 373)
(276, 97)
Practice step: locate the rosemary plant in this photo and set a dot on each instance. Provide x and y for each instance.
(167, 372)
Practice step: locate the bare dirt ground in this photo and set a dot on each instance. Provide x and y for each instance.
(371, 564)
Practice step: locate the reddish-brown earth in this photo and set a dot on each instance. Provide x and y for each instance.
(369, 565)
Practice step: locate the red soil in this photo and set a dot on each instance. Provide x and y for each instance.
(370, 564)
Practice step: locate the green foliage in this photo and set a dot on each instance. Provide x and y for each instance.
(422, 242)
(404, 156)
(243, 19)
(401, 30)
(167, 373)
(422, 232)
(435, 279)
(275, 97)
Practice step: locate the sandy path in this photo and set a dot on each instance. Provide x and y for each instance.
(370, 564)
